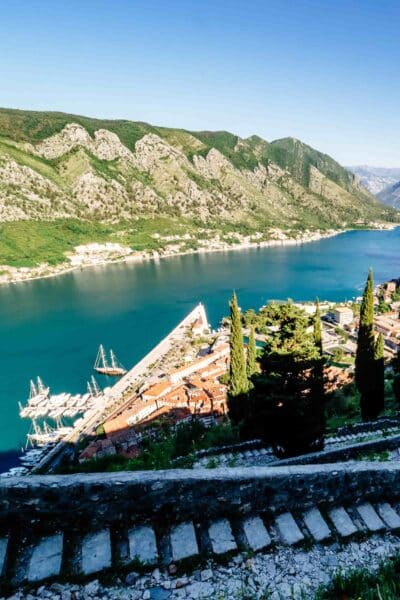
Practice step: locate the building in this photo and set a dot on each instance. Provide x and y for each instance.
(178, 375)
(343, 315)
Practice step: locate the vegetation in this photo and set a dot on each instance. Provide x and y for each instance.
(366, 372)
(379, 373)
(285, 406)
(396, 376)
(364, 584)
(171, 449)
(238, 383)
(251, 365)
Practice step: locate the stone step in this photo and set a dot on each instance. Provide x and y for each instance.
(96, 552)
(221, 537)
(255, 533)
(342, 522)
(183, 541)
(369, 516)
(288, 529)
(142, 545)
(316, 525)
(46, 558)
(388, 515)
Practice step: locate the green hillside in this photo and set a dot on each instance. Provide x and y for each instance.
(57, 168)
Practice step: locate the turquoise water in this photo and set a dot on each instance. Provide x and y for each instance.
(53, 327)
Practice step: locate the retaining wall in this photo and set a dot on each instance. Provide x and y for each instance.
(89, 501)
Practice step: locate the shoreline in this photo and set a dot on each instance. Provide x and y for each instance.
(22, 275)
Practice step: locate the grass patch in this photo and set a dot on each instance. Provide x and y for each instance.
(361, 584)
(173, 449)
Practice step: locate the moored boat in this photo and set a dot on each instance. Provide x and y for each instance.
(105, 366)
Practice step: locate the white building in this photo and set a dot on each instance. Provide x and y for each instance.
(343, 315)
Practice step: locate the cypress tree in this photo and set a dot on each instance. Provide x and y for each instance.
(237, 370)
(380, 374)
(317, 327)
(318, 387)
(396, 374)
(365, 367)
(251, 353)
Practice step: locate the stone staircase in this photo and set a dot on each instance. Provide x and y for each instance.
(62, 554)
(265, 456)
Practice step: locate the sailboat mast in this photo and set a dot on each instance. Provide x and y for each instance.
(113, 360)
(95, 387)
(40, 385)
(33, 391)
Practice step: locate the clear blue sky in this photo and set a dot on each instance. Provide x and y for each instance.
(325, 71)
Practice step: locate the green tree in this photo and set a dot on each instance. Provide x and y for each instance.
(396, 373)
(251, 354)
(317, 327)
(282, 408)
(365, 366)
(238, 383)
(380, 374)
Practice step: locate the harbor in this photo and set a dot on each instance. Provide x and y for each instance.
(62, 419)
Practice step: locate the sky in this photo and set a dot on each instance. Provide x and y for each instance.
(323, 71)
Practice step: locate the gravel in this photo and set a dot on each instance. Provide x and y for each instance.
(280, 574)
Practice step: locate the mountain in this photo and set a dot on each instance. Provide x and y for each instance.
(376, 179)
(391, 195)
(74, 173)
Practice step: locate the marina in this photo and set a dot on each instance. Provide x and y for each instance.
(88, 409)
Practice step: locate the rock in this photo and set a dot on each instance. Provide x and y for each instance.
(131, 578)
(206, 575)
(172, 569)
(200, 590)
(159, 593)
(92, 588)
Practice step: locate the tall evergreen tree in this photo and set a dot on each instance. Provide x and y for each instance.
(251, 353)
(365, 367)
(380, 374)
(282, 407)
(318, 385)
(237, 371)
(317, 327)
(396, 375)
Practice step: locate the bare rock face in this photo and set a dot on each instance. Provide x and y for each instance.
(100, 195)
(70, 137)
(36, 195)
(106, 145)
(214, 165)
(151, 149)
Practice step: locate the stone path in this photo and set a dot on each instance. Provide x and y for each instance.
(288, 573)
(97, 551)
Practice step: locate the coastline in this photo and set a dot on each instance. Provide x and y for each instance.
(13, 275)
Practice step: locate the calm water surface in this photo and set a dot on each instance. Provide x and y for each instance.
(52, 327)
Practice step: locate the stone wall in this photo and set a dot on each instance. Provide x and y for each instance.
(351, 451)
(90, 501)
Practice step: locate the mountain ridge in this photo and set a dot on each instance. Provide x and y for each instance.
(58, 166)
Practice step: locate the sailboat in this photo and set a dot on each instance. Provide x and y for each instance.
(37, 392)
(93, 387)
(108, 367)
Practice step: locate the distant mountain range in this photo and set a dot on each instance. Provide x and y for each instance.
(376, 179)
(383, 182)
(391, 195)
